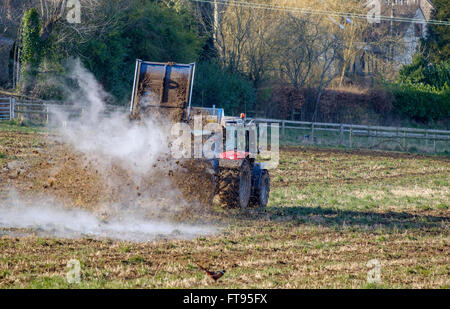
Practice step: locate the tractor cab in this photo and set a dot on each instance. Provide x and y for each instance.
(239, 139)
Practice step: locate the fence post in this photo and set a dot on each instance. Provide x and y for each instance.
(10, 109)
(375, 137)
(434, 142)
(341, 135)
(46, 113)
(404, 139)
(14, 108)
(350, 137)
(312, 132)
(426, 140)
(283, 128)
(27, 109)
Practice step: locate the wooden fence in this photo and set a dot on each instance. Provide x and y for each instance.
(291, 132)
(360, 136)
(40, 112)
(11, 108)
(6, 109)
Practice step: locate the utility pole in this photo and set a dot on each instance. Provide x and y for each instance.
(216, 19)
(391, 53)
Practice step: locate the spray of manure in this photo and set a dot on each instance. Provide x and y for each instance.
(106, 176)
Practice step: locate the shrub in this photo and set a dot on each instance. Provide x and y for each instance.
(381, 100)
(421, 102)
(420, 71)
(31, 49)
(422, 91)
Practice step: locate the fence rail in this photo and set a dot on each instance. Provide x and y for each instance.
(358, 129)
(360, 136)
(40, 111)
(292, 132)
(6, 108)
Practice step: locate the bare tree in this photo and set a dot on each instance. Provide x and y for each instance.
(351, 36)
(97, 18)
(295, 44)
(259, 52)
(230, 28)
(326, 70)
(232, 34)
(10, 16)
(4, 21)
(307, 50)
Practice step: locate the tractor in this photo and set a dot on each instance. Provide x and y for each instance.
(164, 91)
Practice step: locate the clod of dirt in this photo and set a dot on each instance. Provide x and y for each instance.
(14, 174)
(51, 182)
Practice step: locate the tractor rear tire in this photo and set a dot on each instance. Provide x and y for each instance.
(235, 186)
(260, 196)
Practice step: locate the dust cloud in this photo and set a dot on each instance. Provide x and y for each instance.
(45, 217)
(131, 158)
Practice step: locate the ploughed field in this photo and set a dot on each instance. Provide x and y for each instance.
(330, 213)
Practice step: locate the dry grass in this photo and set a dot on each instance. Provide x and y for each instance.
(330, 213)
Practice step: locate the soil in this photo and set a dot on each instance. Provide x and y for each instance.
(325, 221)
(172, 188)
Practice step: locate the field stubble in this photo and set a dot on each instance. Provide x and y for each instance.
(330, 212)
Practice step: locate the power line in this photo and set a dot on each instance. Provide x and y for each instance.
(320, 12)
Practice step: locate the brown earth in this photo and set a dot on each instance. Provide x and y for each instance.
(57, 170)
(330, 212)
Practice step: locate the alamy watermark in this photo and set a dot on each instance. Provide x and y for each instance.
(239, 140)
(374, 14)
(73, 275)
(73, 11)
(374, 274)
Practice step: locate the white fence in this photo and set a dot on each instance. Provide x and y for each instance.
(6, 109)
(40, 111)
(10, 109)
(292, 132)
(361, 136)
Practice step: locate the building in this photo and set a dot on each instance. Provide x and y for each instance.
(415, 31)
(397, 42)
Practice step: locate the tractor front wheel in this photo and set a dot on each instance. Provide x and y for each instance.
(260, 197)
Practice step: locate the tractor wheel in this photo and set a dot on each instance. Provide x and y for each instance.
(235, 186)
(260, 196)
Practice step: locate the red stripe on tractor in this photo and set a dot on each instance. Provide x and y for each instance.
(233, 155)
